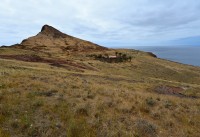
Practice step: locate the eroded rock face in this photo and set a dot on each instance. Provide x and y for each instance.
(52, 32)
(151, 54)
(52, 40)
(169, 90)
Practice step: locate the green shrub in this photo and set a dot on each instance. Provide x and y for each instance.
(150, 101)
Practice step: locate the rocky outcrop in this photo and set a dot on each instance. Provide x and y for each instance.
(151, 54)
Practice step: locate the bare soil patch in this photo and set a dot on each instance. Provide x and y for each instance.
(171, 90)
(52, 62)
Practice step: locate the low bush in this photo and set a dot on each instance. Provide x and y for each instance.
(150, 101)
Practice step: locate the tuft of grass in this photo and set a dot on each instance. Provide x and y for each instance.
(79, 129)
(145, 129)
(2, 86)
(48, 93)
(91, 95)
(4, 133)
(168, 104)
(1, 95)
(192, 92)
(37, 104)
(15, 124)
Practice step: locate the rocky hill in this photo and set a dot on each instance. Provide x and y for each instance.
(52, 40)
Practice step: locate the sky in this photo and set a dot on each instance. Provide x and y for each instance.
(111, 23)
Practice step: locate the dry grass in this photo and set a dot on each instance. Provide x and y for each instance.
(37, 99)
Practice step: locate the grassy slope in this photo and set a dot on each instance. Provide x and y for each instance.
(118, 99)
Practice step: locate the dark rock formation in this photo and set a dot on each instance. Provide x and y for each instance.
(151, 54)
(52, 32)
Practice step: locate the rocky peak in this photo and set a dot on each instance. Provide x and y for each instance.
(51, 31)
(52, 40)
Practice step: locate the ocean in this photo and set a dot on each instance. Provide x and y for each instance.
(186, 54)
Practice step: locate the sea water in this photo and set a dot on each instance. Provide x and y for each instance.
(183, 54)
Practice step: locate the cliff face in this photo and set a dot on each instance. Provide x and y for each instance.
(53, 40)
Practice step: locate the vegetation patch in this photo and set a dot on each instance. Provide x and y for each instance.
(45, 93)
(117, 58)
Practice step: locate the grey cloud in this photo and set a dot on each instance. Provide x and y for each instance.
(130, 21)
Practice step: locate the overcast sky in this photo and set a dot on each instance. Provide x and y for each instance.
(106, 22)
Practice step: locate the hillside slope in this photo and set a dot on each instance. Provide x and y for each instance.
(46, 91)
